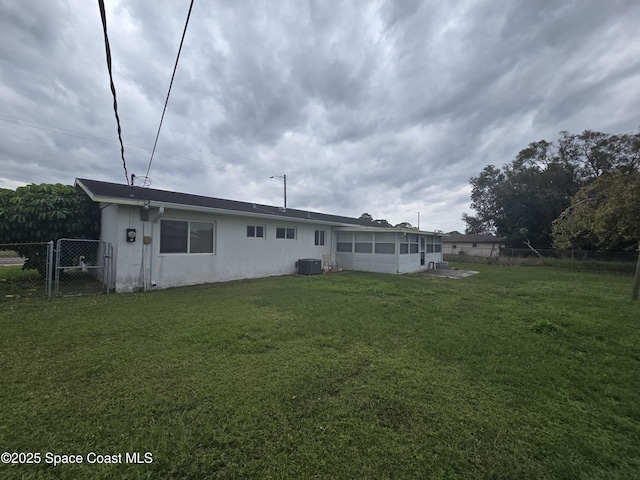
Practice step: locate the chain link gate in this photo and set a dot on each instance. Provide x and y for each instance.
(82, 267)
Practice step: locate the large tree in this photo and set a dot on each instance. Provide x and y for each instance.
(529, 193)
(605, 214)
(40, 213)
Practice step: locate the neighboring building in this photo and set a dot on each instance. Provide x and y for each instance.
(163, 239)
(478, 245)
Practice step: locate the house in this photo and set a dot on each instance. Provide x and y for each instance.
(163, 239)
(477, 245)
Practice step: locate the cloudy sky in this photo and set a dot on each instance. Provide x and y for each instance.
(367, 106)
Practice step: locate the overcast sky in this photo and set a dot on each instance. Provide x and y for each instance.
(367, 106)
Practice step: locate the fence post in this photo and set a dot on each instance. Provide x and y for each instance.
(636, 282)
(49, 269)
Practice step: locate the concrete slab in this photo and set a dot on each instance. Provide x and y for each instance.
(448, 273)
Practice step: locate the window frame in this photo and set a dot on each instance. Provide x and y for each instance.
(255, 231)
(287, 231)
(189, 234)
(320, 238)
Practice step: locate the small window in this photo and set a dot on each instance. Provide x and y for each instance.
(475, 245)
(414, 248)
(286, 232)
(255, 231)
(455, 246)
(404, 248)
(438, 247)
(319, 238)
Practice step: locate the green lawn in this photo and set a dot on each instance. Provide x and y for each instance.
(516, 373)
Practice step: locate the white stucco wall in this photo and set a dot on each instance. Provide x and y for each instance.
(385, 262)
(139, 265)
(235, 255)
(480, 250)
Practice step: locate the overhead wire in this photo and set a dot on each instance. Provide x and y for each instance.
(220, 167)
(113, 87)
(166, 102)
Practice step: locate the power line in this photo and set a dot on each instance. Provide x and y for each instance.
(49, 128)
(175, 67)
(113, 87)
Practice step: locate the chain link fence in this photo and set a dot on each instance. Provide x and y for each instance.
(586, 260)
(82, 267)
(68, 268)
(24, 268)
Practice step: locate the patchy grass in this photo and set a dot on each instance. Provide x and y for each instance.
(511, 373)
(18, 283)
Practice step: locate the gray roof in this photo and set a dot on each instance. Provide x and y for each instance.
(134, 195)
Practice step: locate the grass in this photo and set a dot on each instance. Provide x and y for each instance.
(18, 283)
(526, 373)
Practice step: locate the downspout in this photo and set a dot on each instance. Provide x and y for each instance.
(397, 237)
(154, 220)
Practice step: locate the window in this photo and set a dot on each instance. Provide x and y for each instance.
(319, 238)
(200, 237)
(286, 232)
(344, 247)
(364, 242)
(173, 236)
(385, 243)
(385, 248)
(364, 247)
(344, 242)
(181, 236)
(475, 245)
(409, 244)
(255, 231)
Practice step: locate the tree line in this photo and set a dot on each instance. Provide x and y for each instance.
(40, 213)
(579, 192)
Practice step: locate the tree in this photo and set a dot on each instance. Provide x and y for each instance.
(5, 201)
(405, 225)
(529, 193)
(383, 222)
(40, 213)
(604, 214)
(366, 216)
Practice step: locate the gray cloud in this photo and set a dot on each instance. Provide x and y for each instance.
(377, 106)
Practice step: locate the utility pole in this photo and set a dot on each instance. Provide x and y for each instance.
(415, 211)
(284, 177)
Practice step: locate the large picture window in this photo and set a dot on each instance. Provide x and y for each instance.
(181, 236)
